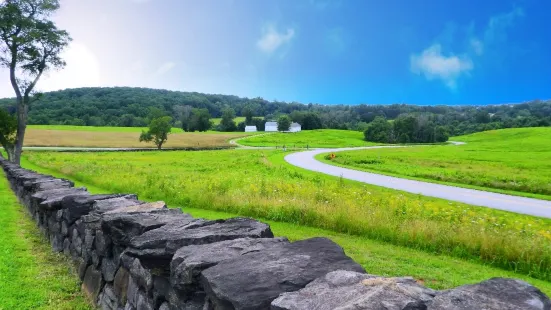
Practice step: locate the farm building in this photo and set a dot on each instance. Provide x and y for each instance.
(250, 129)
(271, 126)
(295, 127)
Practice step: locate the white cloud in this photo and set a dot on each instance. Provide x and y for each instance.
(271, 39)
(434, 65)
(82, 70)
(477, 46)
(498, 24)
(164, 68)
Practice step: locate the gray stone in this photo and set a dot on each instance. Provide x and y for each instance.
(89, 239)
(155, 248)
(82, 267)
(108, 299)
(189, 261)
(254, 280)
(122, 227)
(493, 294)
(103, 244)
(141, 208)
(108, 269)
(352, 290)
(92, 283)
(143, 302)
(52, 199)
(76, 206)
(57, 242)
(64, 228)
(128, 306)
(66, 246)
(132, 292)
(120, 284)
(106, 205)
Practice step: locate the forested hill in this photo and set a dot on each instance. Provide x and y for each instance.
(125, 106)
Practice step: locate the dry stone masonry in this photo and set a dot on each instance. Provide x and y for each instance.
(136, 255)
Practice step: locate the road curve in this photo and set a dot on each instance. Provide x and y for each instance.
(510, 203)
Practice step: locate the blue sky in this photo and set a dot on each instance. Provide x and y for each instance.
(322, 51)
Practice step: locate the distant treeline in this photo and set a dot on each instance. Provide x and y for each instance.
(133, 107)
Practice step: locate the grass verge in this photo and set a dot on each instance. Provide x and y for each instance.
(31, 275)
(435, 271)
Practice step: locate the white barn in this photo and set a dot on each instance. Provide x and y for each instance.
(295, 127)
(271, 127)
(250, 129)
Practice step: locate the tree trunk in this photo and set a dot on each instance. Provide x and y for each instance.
(22, 111)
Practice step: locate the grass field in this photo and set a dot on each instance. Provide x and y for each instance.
(84, 136)
(260, 184)
(514, 161)
(31, 275)
(237, 120)
(435, 271)
(311, 138)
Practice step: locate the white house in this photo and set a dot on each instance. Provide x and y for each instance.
(250, 129)
(295, 127)
(271, 127)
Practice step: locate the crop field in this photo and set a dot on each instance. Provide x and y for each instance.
(311, 138)
(513, 161)
(260, 184)
(31, 275)
(82, 136)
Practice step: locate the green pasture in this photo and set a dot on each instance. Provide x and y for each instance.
(329, 138)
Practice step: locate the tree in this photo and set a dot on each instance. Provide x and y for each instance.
(200, 120)
(184, 114)
(227, 123)
(379, 130)
(30, 44)
(159, 128)
(283, 123)
(248, 113)
(8, 128)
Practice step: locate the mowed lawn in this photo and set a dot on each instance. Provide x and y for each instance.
(258, 183)
(516, 161)
(237, 120)
(83, 136)
(311, 138)
(31, 275)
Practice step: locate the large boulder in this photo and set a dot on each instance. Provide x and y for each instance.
(123, 226)
(493, 294)
(75, 206)
(254, 280)
(155, 248)
(352, 290)
(51, 199)
(189, 261)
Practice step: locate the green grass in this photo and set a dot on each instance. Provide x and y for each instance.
(511, 161)
(436, 271)
(237, 120)
(31, 275)
(312, 138)
(260, 184)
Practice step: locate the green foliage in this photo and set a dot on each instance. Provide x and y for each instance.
(106, 107)
(159, 128)
(260, 184)
(517, 161)
(405, 129)
(227, 123)
(8, 127)
(200, 120)
(283, 123)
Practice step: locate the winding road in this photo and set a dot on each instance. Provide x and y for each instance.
(510, 203)
(306, 160)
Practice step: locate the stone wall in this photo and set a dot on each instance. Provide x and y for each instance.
(136, 255)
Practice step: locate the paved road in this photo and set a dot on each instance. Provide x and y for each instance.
(515, 204)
